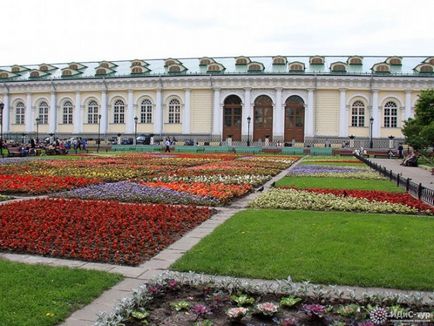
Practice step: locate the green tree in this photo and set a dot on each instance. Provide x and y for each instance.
(419, 131)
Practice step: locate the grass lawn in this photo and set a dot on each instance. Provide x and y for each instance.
(392, 251)
(40, 295)
(338, 183)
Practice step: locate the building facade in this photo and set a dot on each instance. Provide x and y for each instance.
(298, 100)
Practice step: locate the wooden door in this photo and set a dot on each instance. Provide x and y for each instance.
(294, 119)
(263, 118)
(232, 115)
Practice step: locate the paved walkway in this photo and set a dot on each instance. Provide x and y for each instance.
(136, 276)
(418, 175)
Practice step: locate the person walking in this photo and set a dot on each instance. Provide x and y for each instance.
(400, 151)
(167, 143)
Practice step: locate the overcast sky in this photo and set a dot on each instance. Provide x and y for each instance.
(54, 31)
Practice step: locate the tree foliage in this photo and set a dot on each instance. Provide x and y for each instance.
(419, 131)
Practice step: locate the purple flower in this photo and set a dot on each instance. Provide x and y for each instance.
(314, 310)
(315, 169)
(200, 310)
(126, 191)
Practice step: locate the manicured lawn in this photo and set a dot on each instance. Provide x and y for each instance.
(324, 247)
(337, 183)
(40, 295)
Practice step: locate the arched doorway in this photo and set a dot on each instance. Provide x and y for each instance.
(294, 119)
(232, 118)
(263, 118)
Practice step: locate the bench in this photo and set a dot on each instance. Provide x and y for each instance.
(343, 152)
(14, 151)
(95, 148)
(376, 154)
(272, 150)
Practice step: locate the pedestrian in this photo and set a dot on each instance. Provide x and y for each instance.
(400, 151)
(167, 143)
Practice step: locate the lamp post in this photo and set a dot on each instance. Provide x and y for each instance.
(99, 133)
(248, 130)
(38, 119)
(135, 130)
(1, 130)
(371, 142)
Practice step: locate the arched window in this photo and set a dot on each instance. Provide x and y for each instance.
(390, 115)
(4, 75)
(34, 74)
(174, 111)
(67, 72)
(73, 66)
(43, 113)
(146, 111)
(19, 113)
(316, 60)
(104, 65)
(338, 67)
(92, 112)
(355, 61)
(137, 70)
(101, 71)
(279, 60)
(174, 68)
(426, 68)
(296, 66)
(15, 69)
(215, 67)
(358, 114)
(119, 112)
(43, 68)
(67, 112)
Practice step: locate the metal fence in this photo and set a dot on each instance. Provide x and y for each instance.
(417, 190)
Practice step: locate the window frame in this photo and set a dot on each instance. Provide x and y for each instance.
(67, 113)
(358, 114)
(390, 115)
(92, 112)
(119, 112)
(43, 108)
(146, 111)
(20, 113)
(174, 111)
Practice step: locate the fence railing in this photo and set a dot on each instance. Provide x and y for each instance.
(422, 193)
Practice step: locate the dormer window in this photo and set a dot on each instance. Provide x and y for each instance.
(73, 66)
(381, 68)
(205, 61)
(242, 61)
(215, 67)
(355, 60)
(279, 60)
(66, 73)
(316, 60)
(255, 67)
(338, 67)
(170, 62)
(136, 64)
(394, 61)
(43, 68)
(34, 74)
(174, 68)
(4, 75)
(424, 68)
(296, 66)
(137, 70)
(104, 65)
(101, 71)
(429, 60)
(15, 69)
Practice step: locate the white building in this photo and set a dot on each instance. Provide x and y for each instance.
(299, 99)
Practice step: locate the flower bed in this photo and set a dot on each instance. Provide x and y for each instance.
(223, 192)
(14, 184)
(254, 180)
(334, 171)
(375, 195)
(109, 232)
(173, 302)
(303, 199)
(125, 191)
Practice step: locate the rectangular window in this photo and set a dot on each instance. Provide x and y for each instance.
(92, 116)
(19, 117)
(43, 116)
(67, 115)
(119, 116)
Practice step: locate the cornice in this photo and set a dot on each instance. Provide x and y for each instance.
(222, 82)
